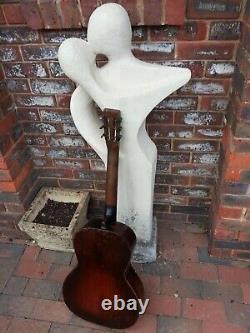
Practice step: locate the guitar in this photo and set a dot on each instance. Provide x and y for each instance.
(103, 248)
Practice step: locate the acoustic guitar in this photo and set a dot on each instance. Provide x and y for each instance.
(103, 248)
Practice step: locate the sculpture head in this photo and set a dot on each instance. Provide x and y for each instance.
(109, 31)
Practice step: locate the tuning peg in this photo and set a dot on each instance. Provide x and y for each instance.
(102, 136)
(101, 127)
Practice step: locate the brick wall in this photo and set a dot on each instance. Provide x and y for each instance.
(230, 214)
(187, 127)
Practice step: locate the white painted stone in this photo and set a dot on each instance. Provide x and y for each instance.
(135, 88)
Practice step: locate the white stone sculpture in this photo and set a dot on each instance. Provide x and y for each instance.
(133, 87)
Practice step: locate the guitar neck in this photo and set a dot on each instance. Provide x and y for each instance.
(111, 184)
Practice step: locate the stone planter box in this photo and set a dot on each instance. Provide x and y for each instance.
(55, 237)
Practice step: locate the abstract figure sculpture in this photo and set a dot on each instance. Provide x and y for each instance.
(132, 86)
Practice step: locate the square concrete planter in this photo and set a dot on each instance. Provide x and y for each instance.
(55, 237)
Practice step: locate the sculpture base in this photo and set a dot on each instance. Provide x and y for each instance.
(146, 251)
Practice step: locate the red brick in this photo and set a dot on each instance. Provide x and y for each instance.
(246, 293)
(234, 274)
(59, 273)
(152, 12)
(59, 328)
(164, 305)
(13, 13)
(205, 50)
(230, 212)
(30, 11)
(51, 311)
(151, 284)
(32, 269)
(28, 326)
(243, 61)
(70, 14)
(210, 326)
(175, 12)
(197, 271)
(87, 6)
(2, 18)
(204, 310)
(183, 288)
(133, 11)
(213, 10)
(199, 118)
(146, 324)
(63, 101)
(50, 15)
(7, 123)
(4, 323)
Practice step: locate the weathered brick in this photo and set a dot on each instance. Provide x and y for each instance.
(199, 118)
(39, 140)
(50, 86)
(178, 103)
(67, 141)
(220, 69)
(17, 85)
(139, 33)
(190, 191)
(195, 146)
(28, 114)
(56, 153)
(196, 67)
(173, 157)
(193, 170)
(214, 132)
(39, 52)
(34, 100)
(20, 35)
(170, 131)
(192, 30)
(226, 30)
(13, 14)
(58, 36)
(28, 70)
(9, 53)
(205, 87)
(206, 158)
(205, 50)
(36, 127)
(55, 69)
(154, 51)
(215, 9)
(56, 116)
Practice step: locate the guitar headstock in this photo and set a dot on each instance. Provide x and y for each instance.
(111, 125)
